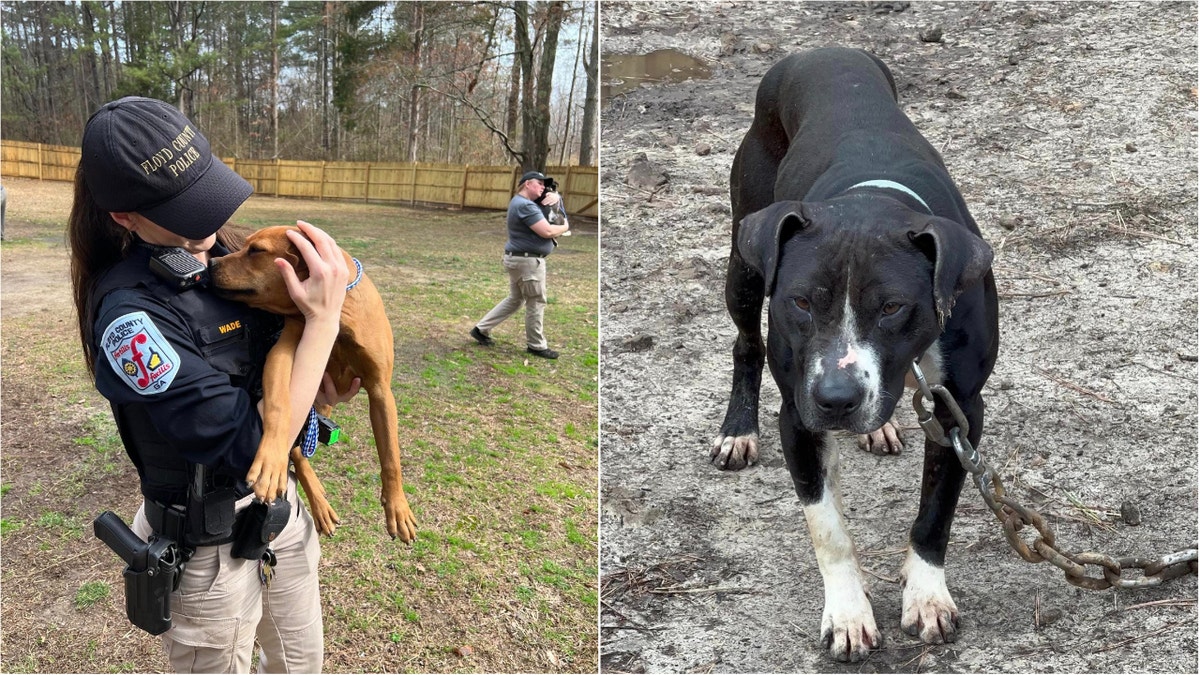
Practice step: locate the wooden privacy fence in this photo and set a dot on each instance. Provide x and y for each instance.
(483, 187)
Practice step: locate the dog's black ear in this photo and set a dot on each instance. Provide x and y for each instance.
(960, 259)
(762, 233)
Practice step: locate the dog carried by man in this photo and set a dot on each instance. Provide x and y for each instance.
(847, 219)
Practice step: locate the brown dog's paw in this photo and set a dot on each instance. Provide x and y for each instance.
(400, 520)
(268, 476)
(323, 515)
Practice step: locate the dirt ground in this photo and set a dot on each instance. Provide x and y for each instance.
(1071, 130)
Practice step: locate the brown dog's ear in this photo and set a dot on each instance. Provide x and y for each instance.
(960, 259)
(292, 255)
(762, 233)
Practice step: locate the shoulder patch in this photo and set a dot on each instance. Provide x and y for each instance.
(140, 355)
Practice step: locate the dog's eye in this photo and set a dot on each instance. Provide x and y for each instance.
(255, 250)
(891, 308)
(802, 303)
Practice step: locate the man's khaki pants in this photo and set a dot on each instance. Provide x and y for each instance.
(526, 285)
(221, 605)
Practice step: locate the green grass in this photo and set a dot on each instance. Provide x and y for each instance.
(89, 594)
(499, 457)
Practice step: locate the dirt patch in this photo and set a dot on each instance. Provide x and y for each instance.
(1071, 130)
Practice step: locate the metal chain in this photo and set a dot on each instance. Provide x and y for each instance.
(1014, 516)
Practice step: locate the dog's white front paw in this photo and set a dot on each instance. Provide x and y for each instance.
(883, 441)
(848, 628)
(929, 611)
(734, 452)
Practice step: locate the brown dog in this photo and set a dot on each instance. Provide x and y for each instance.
(363, 349)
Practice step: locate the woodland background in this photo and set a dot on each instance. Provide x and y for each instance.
(455, 82)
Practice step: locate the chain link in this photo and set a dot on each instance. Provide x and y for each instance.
(1014, 516)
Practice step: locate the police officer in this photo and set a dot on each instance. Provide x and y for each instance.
(530, 240)
(182, 372)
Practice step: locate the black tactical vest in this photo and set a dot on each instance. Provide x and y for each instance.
(164, 473)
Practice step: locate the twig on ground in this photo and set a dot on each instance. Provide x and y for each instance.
(678, 590)
(1047, 294)
(919, 658)
(1170, 602)
(890, 580)
(1143, 233)
(1164, 372)
(1074, 387)
(1135, 638)
(882, 552)
(642, 579)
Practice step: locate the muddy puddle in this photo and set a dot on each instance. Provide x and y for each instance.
(622, 73)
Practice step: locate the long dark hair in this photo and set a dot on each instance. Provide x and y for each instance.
(97, 243)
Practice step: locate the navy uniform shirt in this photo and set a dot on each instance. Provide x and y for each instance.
(182, 371)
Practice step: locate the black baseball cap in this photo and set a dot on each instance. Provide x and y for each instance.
(143, 155)
(532, 175)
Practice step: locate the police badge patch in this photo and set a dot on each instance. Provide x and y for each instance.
(139, 353)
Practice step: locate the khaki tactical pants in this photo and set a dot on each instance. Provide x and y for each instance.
(526, 285)
(221, 605)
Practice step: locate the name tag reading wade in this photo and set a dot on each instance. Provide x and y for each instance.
(138, 352)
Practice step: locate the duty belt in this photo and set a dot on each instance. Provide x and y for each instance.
(171, 522)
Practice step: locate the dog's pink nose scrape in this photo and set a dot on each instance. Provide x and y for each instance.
(850, 357)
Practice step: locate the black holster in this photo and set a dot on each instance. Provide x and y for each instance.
(151, 573)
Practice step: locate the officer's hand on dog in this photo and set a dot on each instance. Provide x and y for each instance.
(320, 296)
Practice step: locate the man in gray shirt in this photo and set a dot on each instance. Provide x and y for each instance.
(530, 240)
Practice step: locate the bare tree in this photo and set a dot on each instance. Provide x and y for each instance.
(535, 94)
(591, 66)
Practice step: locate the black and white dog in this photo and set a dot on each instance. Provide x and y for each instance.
(846, 217)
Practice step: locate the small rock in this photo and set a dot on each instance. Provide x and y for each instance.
(1049, 616)
(1190, 358)
(728, 44)
(1013, 59)
(703, 149)
(763, 48)
(1130, 147)
(956, 95)
(639, 344)
(931, 34)
(463, 651)
(645, 174)
(1130, 513)
(1030, 17)
(1010, 222)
